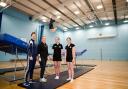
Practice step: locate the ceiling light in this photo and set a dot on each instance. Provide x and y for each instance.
(75, 25)
(76, 12)
(57, 13)
(73, 6)
(106, 23)
(43, 17)
(44, 20)
(58, 17)
(3, 4)
(91, 26)
(65, 30)
(125, 21)
(77, 28)
(99, 7)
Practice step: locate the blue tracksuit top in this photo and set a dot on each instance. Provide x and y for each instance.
(32, 49)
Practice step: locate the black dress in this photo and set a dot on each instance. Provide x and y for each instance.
(57, 52)
(69, 56)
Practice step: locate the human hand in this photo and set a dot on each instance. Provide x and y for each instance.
(30, 58)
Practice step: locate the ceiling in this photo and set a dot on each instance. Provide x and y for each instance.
(75, 13)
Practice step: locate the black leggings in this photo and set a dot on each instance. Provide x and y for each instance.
(42, 65)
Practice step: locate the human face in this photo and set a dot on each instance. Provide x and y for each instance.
(33, 36)
(43, 39)
(68, 41)
(57, 40)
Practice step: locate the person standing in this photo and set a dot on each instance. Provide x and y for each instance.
(70, 58)
(57, 47)
(32, 55)
(43, 54)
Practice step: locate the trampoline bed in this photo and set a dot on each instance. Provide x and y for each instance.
(9, 44)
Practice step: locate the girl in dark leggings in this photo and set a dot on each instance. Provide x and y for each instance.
(43, 54)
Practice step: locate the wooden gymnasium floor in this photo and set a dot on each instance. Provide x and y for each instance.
(106, 75)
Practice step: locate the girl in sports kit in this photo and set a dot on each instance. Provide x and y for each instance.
(57, 47)
(70, 58)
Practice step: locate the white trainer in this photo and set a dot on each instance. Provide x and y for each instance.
(43, 80)
(68, 79)
(72, 80)
(57, 77)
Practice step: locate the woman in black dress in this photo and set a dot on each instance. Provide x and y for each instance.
(57, 47)
(70, 58)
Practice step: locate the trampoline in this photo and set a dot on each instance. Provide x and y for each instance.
(15, 46)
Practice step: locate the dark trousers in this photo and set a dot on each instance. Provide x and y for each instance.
(30, 68)
(42, 66)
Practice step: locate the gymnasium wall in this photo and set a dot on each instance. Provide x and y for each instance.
(17, 24)
(113, 48)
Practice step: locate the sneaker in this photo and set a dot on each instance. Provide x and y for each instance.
(72, 80)
(43, 80)
(68, 79)
(31, 81)
(26, 84)
(57, 77)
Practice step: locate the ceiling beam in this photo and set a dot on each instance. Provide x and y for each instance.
(82, 11)
(60, 19)
(114, 10)
(125, 13)
(37, 5)
(45, 11)
(104, 9)
(72, 11)
(57, 22)
(33, 11)
(26, 6)
(92, 10)
(75, 15)
(61, 12)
